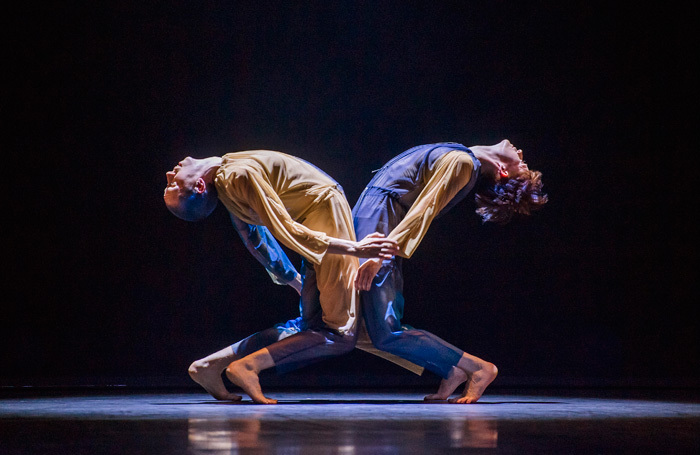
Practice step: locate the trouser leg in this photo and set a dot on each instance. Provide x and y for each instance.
(266, 337)
(309, 346)
(301, 341)
(382, 307)
(310, 316)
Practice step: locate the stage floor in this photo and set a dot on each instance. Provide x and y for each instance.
(127, 422)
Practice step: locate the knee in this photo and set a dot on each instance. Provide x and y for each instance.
(345, 343)
(382, 340)
(381, 335)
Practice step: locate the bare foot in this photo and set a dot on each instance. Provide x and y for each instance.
(448, 385)
(208, 375)
(477, 383)
(243, 374)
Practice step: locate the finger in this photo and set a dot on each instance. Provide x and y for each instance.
(361, 285)
(358, 280)
(376, 235)
(390, 245)
(388, 249)
(383, 245)
(368, 280)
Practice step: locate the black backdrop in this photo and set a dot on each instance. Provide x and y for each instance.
(103, 286)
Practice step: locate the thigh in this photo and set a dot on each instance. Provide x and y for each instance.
(336, 273)
(376, 212)
(383, 304)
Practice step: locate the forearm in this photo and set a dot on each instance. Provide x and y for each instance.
(449, 176)
(342, 246)
(252, 193)
(373, 246)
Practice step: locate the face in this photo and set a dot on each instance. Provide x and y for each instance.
(183, 176)
(511, 158)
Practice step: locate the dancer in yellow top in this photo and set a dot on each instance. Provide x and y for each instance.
(306, 211)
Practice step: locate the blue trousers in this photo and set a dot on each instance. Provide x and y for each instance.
(383, 304)
(301, 341)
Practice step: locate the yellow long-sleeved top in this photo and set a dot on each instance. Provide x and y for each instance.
(443, 181)
(278, 191)
(301, 206)
(406, 195)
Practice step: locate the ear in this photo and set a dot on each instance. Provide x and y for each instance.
(502, 171)
(200, 186)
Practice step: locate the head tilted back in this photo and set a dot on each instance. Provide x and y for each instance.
(195, 206)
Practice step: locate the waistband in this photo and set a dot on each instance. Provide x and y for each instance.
(384, 191)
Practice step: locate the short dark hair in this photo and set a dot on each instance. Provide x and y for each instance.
(520, 195)
(194, 206)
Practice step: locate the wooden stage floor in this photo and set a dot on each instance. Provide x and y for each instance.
(325, 422)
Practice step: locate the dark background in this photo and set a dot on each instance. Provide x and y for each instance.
(103, 286)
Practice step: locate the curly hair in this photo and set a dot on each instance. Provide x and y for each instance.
(520, 195)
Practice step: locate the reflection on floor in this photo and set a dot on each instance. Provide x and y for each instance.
(346, 423)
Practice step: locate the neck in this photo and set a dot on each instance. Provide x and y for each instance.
(209, 166)
(489, 159)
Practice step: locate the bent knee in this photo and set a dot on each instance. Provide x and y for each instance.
(345, 343)
(384, 342)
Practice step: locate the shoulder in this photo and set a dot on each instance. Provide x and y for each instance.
(460, 157)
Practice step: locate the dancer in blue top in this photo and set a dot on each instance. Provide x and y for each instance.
(400, 202)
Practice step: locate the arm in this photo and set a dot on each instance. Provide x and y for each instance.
(263, 246)
(449, 175)
(372, 246)
(252, 189)
(366, 273)
(451, 172)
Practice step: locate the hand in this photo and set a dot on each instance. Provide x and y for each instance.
(366, 274)
(376, 246)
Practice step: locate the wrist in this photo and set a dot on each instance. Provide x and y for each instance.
(340, 246)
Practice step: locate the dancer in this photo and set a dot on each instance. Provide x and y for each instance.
(400, 202)
(263, 246)
(306, 210)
